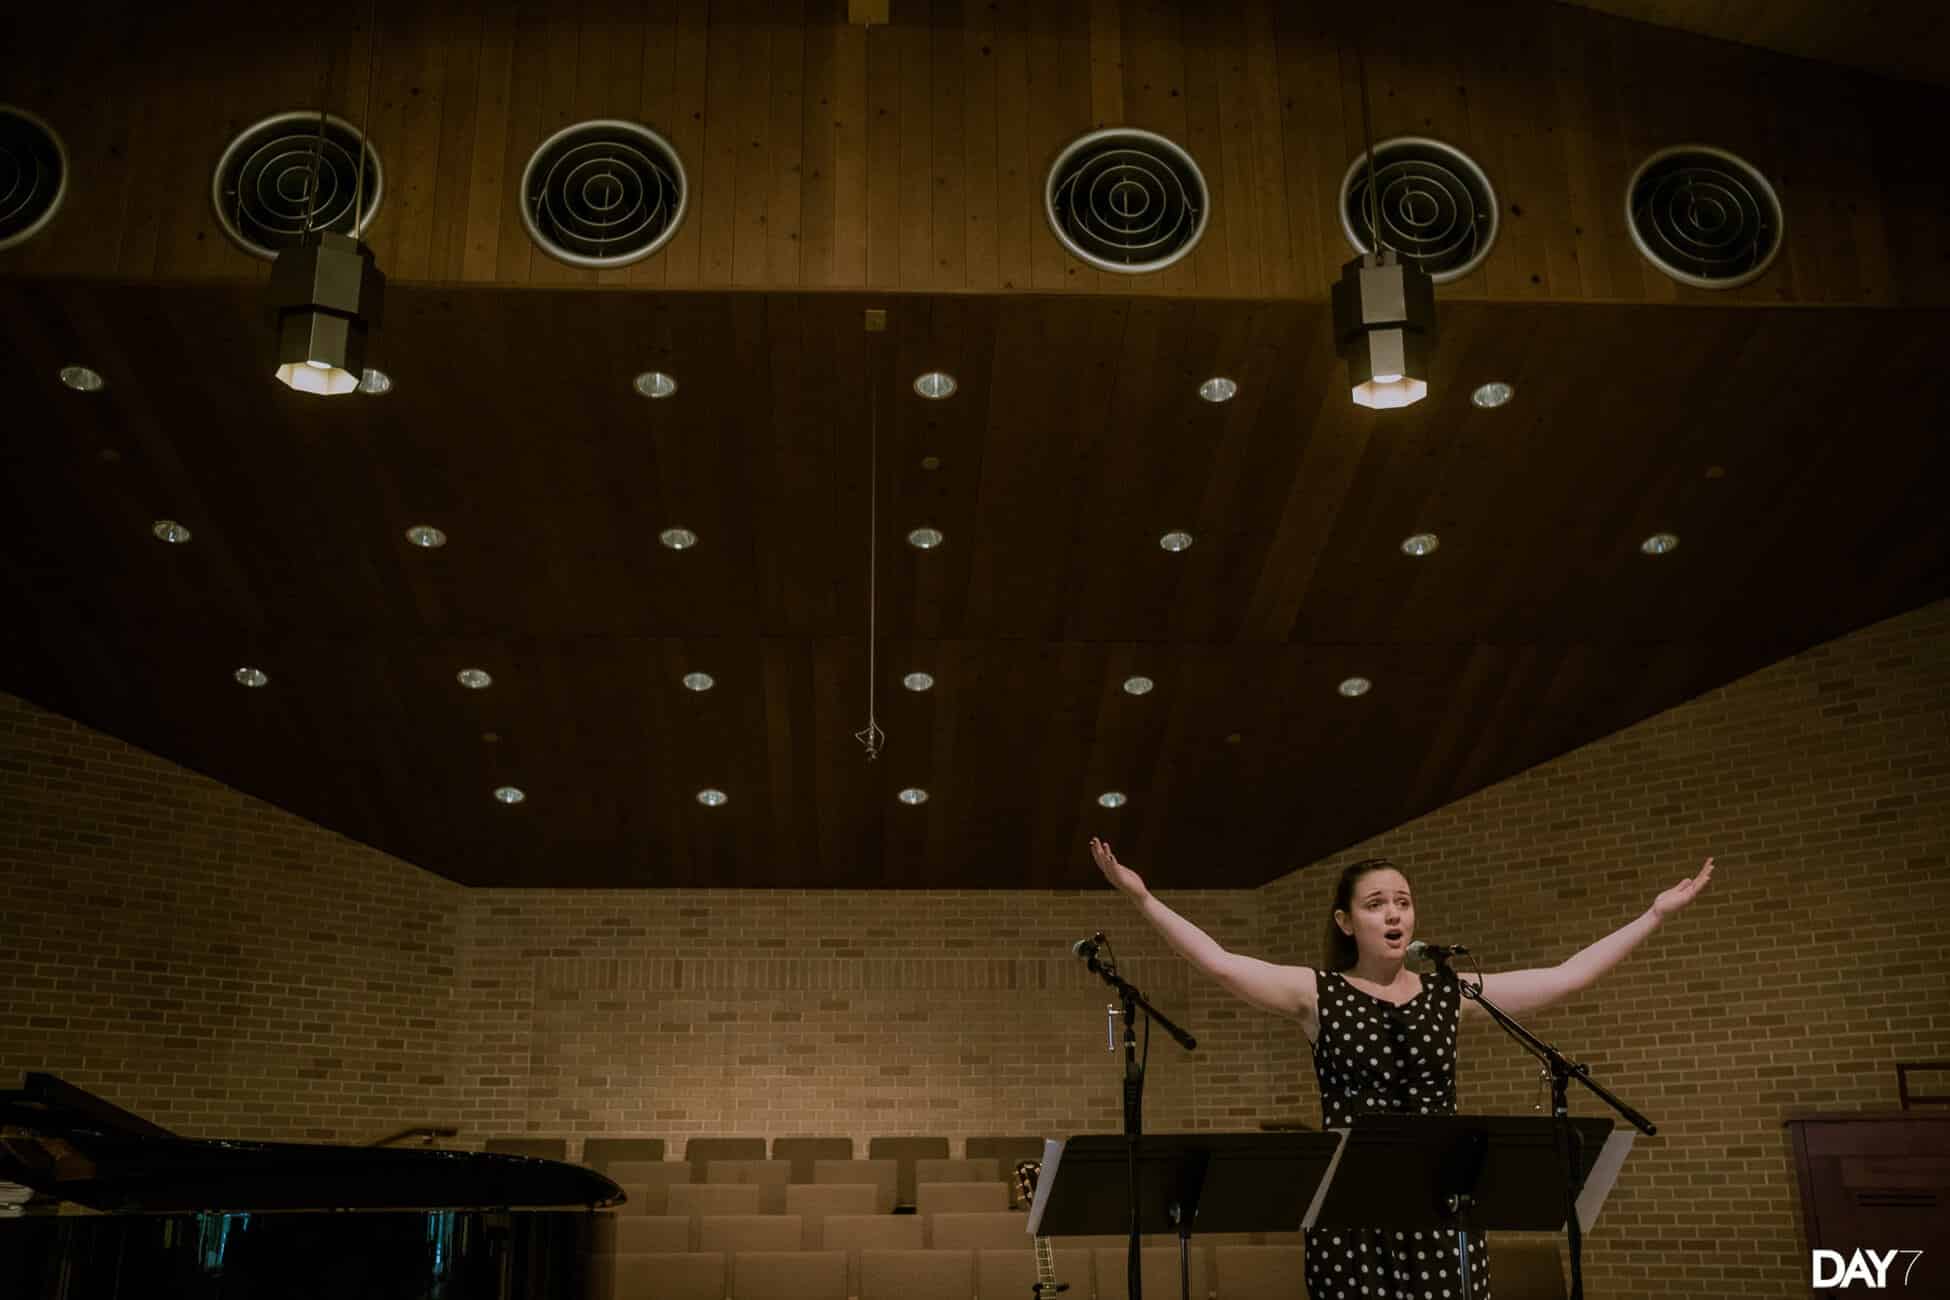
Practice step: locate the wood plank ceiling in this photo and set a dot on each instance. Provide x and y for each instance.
(1798, 454)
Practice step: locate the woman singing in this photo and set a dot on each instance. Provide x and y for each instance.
(1384, 1039)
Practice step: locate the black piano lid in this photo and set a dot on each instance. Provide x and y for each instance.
(65, 1142)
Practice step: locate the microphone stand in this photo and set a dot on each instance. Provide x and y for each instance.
(1562, 1070)
(1134, 1104)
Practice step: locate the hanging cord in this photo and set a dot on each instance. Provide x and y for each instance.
(1367, 133)
(872, 736)
(365, 123)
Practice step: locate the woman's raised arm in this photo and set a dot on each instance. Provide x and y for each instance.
(1518, 991)
(1285, 990)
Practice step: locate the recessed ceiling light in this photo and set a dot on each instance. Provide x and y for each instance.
(168, 530)
(912, 796)
(1492, 394)
(935, 385)
(509, 793)
(711, 798)
(918, 681)
(1111, 798)
(375, 383)
(655, 383)
(699, 681)
(1354, 686)
(1420, 544)
(925, 539)
(475, 679)
(1176, 540)
(930, 462)
(252, 677)
(426, 536)
(1659, 543)
(1218, 389)
(82, 379)
(678, 539)
(1138, 685)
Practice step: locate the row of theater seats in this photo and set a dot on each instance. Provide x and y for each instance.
(1227, 1272)
(797, 1158)
(806, 1227)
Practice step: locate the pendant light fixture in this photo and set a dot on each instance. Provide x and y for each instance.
(327, 288)
(1384, 308)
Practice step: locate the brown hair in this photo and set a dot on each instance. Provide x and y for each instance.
(1341, 951)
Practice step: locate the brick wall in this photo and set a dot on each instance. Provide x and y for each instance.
(228, 969)
(211, 963)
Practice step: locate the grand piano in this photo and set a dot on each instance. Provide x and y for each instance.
(103, 1205)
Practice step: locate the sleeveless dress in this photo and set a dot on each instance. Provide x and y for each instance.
(1372, 1055)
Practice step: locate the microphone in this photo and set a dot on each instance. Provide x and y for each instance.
(1435, 951)
(1087, 948)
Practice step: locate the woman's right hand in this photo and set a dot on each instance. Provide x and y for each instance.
(1121, 877)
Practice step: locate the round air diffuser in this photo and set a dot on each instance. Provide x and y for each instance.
(1436, 207)
(1704, 216)
(285, 175)
(1126, 200)
(33, 175)
(603, 193)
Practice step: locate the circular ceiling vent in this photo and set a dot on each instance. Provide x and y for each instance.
(33, 175)
(1126, 200)
(1703, 216)
(263, 186)
(603, 193)
(1436, 206)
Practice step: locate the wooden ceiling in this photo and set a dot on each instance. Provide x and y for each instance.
(1798, 454)
(1909, 39)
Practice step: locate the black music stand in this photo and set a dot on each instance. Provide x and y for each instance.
(1458, 1173)
(1208, 1182)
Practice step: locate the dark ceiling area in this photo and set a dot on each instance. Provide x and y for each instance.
(1797, 454)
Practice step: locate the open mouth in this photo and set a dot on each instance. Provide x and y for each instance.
(1392, 936)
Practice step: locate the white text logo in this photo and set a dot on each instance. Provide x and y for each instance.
(1870, 1267)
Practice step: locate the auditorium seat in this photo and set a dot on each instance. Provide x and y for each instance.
(1526, 1269)
(1266, 1273)
(769, 1176)
(904, 1151)
(883, 1174)
(1160, 1268)
(855, 1233)
(789, 1275)
(539, 1148)
(956, 1171)
(643, 1234)
(960, 1198)
(600, 1153)
(994, 1230)
(813, 1202)
(700, 1151)
(1007, 1152)
(688, 1275)
(696, 1199)
(647, 1182)
(802, 1151)
(912, 1274)
(637, 1199)
(1010, 1274)
(734, 1232)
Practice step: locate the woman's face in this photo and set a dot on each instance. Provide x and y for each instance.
(1382, 915)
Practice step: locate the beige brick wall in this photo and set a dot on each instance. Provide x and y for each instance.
(205, 960)
(225, 968)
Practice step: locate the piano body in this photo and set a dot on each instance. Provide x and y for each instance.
(141, 1212)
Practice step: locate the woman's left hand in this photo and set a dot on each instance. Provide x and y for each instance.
(1682, 893)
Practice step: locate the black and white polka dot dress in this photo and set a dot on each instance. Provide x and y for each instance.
(1375, 1056)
